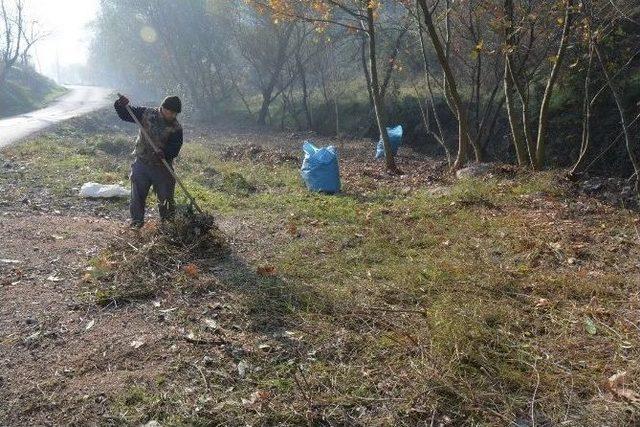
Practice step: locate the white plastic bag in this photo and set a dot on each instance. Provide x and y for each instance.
(93, 189)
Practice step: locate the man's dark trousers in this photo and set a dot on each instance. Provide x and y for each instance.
(143, 176)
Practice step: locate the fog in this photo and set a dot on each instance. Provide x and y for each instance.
(68, 34)
(329, 69)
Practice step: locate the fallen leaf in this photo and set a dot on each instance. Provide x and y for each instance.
(615, 384)
(243, 366)
(137, 344)
(590, 327)
(555, 246)
(616, 380)
(211, 324)
(628, 395)
(542, 303)
(258, 397)
(53, 278)
(292, 229)
(266, 270)
(264, 347)
(90, 325)
(191, 270)
(33, 337)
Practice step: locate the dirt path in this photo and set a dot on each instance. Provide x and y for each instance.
(65, 360)
(79, 101)
(59, 351)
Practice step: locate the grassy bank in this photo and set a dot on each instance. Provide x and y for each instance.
(25, 90)
(502, 300)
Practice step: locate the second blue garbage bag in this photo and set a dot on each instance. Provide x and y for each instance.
(320, 169)
(395, 139)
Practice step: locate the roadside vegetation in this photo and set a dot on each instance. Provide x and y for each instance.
(25, 90)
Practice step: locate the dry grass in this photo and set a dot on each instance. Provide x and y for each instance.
(506, 300)
(137, 266)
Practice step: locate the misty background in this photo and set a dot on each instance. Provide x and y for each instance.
(242, 63)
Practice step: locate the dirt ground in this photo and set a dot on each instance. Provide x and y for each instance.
(44, 321)
(65, 359)
(198, 347)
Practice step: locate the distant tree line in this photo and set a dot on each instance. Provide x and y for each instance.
(518, 80)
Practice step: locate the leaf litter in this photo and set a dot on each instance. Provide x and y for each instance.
(139, 265)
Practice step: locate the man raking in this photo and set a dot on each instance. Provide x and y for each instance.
(148, 169)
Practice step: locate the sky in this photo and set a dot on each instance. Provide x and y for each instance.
(68, 40)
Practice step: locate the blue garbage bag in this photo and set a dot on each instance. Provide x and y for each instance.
(320, 170)
(395, 139)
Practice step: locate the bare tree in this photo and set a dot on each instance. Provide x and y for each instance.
(543, 120)
(11, 30)
(451, 85)
(601, 18)
(359, 16)
(267, 48)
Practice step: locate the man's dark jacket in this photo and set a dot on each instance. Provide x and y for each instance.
(166, 136)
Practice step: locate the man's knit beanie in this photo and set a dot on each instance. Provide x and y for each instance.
(172, 103)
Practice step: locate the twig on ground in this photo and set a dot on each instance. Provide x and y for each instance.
(535, 392)
(390, 310)
(202, 341)
(302, 390)
(206, 383)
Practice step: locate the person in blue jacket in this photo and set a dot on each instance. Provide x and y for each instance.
(147, 170)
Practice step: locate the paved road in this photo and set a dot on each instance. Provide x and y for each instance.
(81, 100)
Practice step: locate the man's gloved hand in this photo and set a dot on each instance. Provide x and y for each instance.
(160, 155)
(123, 100)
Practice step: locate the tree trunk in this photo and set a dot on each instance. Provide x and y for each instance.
(509, 83)
(368, 123)
(305, 91)
(586, 115)
(516, 131)
(425, 63)
(623, 116)
(264, 109)
(461, 113)
(392, 61)
(378, 103)
(543, 121)
(335, 109)
(2, 75)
